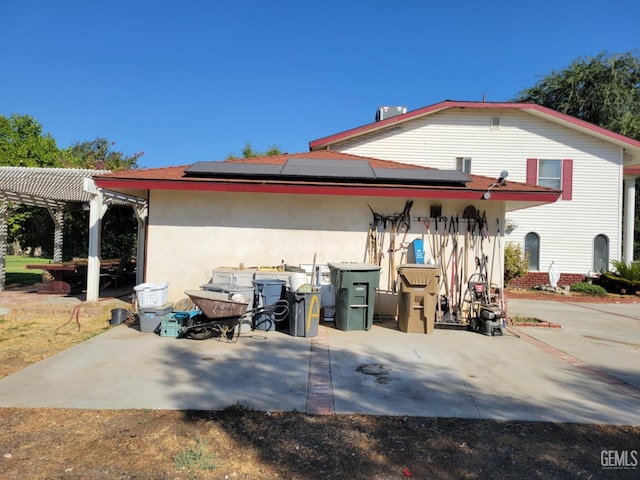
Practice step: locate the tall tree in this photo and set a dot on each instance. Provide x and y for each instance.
(603, 90)
(23, 144)
(98, 154)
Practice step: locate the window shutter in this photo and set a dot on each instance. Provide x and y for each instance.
(532, 171)
(567, 179)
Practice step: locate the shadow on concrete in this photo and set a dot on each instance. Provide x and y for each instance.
(292, 441)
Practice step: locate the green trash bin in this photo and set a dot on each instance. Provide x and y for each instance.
(355, 290)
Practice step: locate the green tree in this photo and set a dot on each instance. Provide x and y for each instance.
(119, 226)
(99, 155)
(516, 263)
(249, 152)
(603, 90)
(32, 228)
(23, 144)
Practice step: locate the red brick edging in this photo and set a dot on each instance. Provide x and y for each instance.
(558, 297)
(320, 389)
(541, 324)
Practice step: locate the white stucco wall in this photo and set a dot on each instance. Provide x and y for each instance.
(191, 233)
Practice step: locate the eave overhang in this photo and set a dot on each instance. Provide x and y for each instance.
(310, 188)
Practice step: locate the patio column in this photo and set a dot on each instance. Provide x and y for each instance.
(141, 216)
(628, 223)
(57, 215)
(4, 217)
(96, 212)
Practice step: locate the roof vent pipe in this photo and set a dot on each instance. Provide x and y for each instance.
(387, 112)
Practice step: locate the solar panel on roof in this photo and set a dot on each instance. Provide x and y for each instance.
(354, 169)
(333, 169)
(232, 169)
(421, 175)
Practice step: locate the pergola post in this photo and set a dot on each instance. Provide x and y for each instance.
(4, 217)
(97, 208)
(141, 216)
(57, 215)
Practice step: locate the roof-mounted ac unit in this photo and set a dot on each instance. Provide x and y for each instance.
(387, 112)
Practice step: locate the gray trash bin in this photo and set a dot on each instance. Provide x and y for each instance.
(304, 313)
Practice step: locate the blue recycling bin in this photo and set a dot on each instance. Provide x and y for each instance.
(268, 291)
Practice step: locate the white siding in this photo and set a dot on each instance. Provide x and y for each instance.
(566, 228)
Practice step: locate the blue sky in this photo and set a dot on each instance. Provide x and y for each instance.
(190, 80)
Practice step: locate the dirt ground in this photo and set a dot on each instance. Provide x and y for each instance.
(239, 443)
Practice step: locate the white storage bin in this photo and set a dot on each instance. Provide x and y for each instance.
(233, 276)
(151, 295)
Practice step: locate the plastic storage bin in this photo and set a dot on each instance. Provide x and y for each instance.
(328, 302)
(419, 285)
(304, 313)
(235, 276)
(247, 291)
(267, 292)
(171, 325)
(273, 275)
(150, 318)
(151, 295)
(356, 285)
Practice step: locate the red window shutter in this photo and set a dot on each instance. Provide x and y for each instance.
(532, 171)
(567, 179)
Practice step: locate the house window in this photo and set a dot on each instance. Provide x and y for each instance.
(557, 174)
(495, 123)
(600, 254)
(550, 173)
(532, 250)
(463, 164)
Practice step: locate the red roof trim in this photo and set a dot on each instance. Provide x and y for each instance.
(635, 170)
(371, 127)
(352, 190)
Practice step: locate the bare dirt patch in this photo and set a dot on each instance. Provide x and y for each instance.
(239, 443)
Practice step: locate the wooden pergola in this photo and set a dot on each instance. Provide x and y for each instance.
(53, 189)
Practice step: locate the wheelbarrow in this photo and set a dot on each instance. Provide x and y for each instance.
(223, 313)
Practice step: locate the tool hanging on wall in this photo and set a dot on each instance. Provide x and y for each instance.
(377, 233)
(442, 244)
(398, 221)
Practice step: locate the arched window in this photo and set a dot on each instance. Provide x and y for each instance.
(600, 254)
(532, 248)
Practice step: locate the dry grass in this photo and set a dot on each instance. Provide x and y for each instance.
(28, 339)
